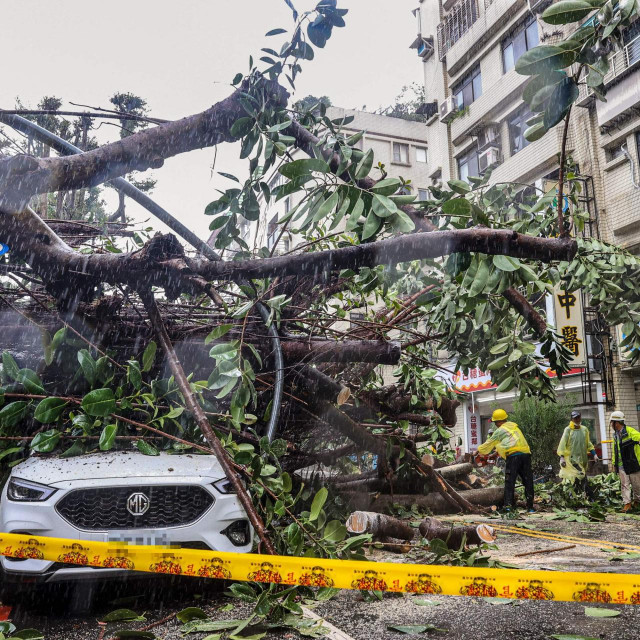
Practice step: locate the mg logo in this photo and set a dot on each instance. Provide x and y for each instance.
(138, 504)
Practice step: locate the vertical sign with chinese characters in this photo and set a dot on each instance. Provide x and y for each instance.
(474, 432)
(570, 324)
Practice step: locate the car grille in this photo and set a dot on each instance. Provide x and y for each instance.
(106, 508)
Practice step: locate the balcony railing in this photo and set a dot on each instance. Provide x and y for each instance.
(456, 24)
(619, 62)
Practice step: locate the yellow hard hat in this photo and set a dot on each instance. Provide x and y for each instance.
(499, 414)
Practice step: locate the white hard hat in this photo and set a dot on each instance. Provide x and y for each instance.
(618, 416)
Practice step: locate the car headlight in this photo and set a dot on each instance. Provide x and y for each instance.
(27, 491)
(224, 486)
(239, 533)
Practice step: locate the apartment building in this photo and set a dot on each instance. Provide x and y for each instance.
(400, 145)
(468, 50)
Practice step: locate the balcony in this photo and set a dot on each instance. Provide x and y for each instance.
(469, 27)
(456, 24)
(621, 93)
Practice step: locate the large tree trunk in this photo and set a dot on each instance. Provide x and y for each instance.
(455, 536)
(433, 501)
(379, 525)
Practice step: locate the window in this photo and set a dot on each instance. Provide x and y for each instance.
(523, 38)
(469, 88)
(287, 204)
(517, 127)
(357, 316)
(421, 154)
(272, 232)
(616, 151)
(423, 194)
(400, 153)
(631, 41)
(468, 165)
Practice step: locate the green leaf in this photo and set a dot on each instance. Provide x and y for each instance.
(459, 186)
(413, 629)
(100, 402)
(371, 226)
(30, 380)
(364, 166)
(480, 280)
(46, 441)
(28, 634)
(506, 263)
(218, 332)
(146, 448)
(318, 502)
(563, 96)
(191, 613)
(543, 59)
(275, 32)
(5, 454)
(425, 603)
(383, 206)
(566, 11)
(237, 79)
(241, 127)
(49, 410)
(386, 187)
(13, 413)
(402, 223)
(9, 366)
(335, 531)
(76, 449)
(302, 167)
(223, 351)
(133, 374)
(149, 356)
(597, 612)
(108, 437)
(457, 207)
(535, 132)
(88, 366)
(121, 615)
(326, 207)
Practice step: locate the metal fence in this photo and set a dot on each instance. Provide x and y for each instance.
(619, 62)
(456, 24)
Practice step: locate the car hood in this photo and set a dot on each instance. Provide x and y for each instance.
(117, 464)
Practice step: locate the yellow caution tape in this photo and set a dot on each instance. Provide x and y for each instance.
(559, 537)
(343, 574)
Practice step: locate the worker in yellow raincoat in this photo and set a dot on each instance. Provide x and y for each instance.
(510, 443)
(574, 450)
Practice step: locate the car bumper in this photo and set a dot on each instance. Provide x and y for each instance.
(42, 519)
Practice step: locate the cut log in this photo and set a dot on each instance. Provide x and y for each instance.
(434, 501)
(433, 529)
(455, 470)
(379, 525)
(321, 386)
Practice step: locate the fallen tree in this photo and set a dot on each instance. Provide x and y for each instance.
(451, 273)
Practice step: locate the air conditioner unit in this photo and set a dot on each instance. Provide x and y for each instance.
(538, 6)
(448, 109)
(488, 158)
(489, 135)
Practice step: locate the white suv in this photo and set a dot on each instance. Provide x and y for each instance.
(182, 500)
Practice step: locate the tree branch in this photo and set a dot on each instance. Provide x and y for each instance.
(526, 310)
(22, 177)
(201, 419)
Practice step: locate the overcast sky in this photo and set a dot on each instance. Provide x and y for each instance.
(181, 57)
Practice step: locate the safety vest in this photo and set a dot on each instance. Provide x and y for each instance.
(626, 450)
(506, 439)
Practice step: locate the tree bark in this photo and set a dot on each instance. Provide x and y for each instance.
(432, 529)
(526, 310)
(144, 150)
(201, 419)
(433, 501)
(379, 525)
(318, 385)
(453, 471)
(344, 351)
